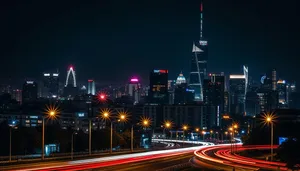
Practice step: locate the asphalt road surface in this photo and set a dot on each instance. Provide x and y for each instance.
(155, 164)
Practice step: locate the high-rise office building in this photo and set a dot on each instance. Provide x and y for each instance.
(182, 92)
(5, 88)
(237, 94)
(29, 91)
(199, 62)
(183, 95)
(134, 90)
(91, 87)
(171, 90)
(158, 92)
(213, 90)
(72, 80)
(180, 79)
(246, 73)
(17, 95)
(70, 89)
(267, 93)
(50, 85)
(293, 96)
(274, 80)
(282, 93)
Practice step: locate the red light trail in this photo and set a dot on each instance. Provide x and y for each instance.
(221, 156)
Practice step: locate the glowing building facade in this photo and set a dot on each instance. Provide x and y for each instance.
(180, 79)
(237, 95)
(91, 87)
(70, 89)
(50, 85)
(158, 92)
(282, 93)
(199, 63)
(134, 90)
(29, 91)
(72, 80)
(213, 91)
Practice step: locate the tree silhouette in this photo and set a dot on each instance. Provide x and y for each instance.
(289, 152)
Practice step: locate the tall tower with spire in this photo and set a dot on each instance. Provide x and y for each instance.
(199, 62)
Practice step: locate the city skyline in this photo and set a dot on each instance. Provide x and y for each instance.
(48, 46)
(164, 85)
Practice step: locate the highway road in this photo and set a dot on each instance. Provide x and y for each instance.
(220, 157)
(181, 161)
(161, 159)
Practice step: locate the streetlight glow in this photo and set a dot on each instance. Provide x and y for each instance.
(268, 119)
(52, 111)
(145, 122)
(122, 117)
(105, 114)
(235, 126)
(167, 124)
(185, 127)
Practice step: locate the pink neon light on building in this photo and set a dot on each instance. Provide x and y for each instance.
(134, 80)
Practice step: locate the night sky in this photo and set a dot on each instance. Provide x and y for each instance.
(111, 40)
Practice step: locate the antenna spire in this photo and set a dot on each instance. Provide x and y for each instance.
(201, 19)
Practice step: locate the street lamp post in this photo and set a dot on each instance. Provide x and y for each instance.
(270, 119)
(9, 144)
(235, 126)
(203, 132)
(198, 135)
(11, 126)
(231, 138)
(43, 138)
(51, 112)
(90, 137)
(111, 135)
(131, 142)
(72, 144)
(167, 125)
(272, 141)
(107, 116)
(184, 128)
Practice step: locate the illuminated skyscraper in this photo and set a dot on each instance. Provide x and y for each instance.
(71, 81)
(50, 85)
(70, 89)
(17, 94)
(245, 69)
(282, 93)
(134, 90)
(158, 92)
(29, 91)
(91, 87)
(199, 62)
(237, 95)
(274, 80)
(213, 90)
(180, 79)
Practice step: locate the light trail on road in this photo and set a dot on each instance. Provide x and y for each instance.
(220, 156)
(117, 160)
